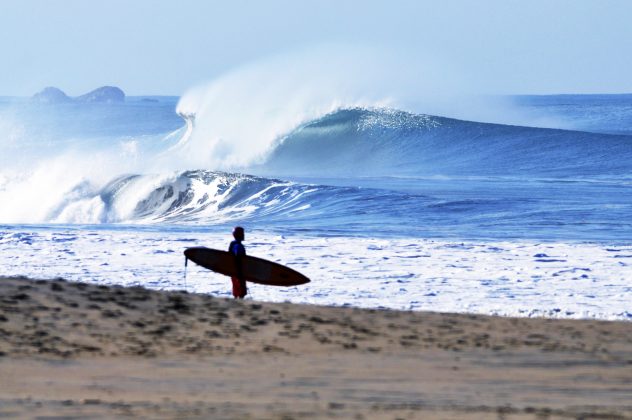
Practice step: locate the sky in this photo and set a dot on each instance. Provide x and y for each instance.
(164, 47)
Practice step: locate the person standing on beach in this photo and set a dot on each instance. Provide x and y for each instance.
(238, 250)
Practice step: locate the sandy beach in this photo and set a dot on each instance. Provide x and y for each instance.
(72, 349)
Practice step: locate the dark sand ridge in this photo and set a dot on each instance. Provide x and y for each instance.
(74, 349)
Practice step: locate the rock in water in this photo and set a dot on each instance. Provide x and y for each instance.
(105, 94)
(51, 95)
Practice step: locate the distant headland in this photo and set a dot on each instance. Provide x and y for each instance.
(104, 94)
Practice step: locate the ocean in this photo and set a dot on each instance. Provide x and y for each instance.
(526, 214)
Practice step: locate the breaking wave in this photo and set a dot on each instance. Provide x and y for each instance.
(211, 197)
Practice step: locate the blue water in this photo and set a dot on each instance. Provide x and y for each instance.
(597, 113)
(353, 172)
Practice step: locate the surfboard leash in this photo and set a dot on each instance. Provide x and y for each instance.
(186, 261)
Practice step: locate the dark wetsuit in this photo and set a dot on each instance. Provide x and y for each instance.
(239, 284)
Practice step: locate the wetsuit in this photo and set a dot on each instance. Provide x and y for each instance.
(239, 284)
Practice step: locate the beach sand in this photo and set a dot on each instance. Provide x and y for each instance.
(79, 350)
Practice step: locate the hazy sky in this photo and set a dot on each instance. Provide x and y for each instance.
(165, 47)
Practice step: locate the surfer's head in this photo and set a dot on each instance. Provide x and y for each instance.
(238, 233)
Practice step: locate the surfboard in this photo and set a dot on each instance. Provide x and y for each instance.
(256, 270)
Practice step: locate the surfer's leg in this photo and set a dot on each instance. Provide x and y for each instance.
(236, 287)
(239, 288)
(244, 289)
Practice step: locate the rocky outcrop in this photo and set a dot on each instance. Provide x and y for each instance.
(105, 94)
(51, 95)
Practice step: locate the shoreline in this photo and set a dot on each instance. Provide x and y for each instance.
(509, 279)
(71, 348)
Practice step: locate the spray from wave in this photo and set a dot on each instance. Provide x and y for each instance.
(238, 119)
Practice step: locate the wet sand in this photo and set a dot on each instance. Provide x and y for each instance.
(73, 349)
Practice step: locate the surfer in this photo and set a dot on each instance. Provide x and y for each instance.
(238, 250)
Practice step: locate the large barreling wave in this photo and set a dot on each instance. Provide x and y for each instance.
(353, 115)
